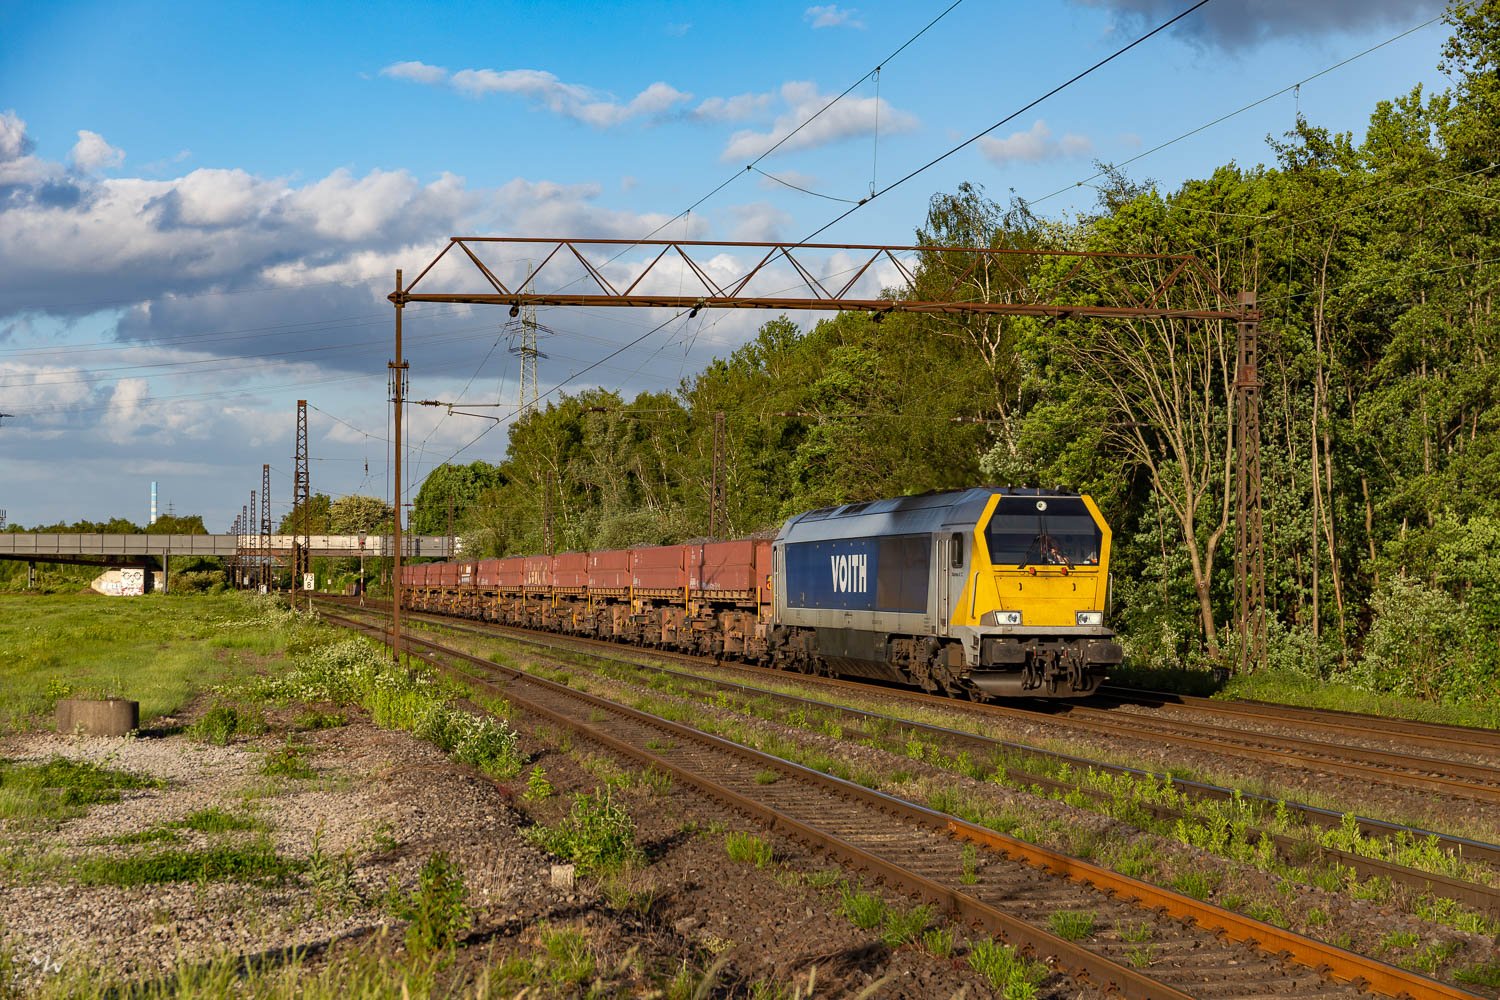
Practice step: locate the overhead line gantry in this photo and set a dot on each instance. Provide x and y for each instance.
(689, 275)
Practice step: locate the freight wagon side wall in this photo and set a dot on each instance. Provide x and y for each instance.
(662, 568)
(538, 572)
(487, 573)
(571, 570)
(609, 570)
(511, 572)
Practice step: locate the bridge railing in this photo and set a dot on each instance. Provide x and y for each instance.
(16, 545)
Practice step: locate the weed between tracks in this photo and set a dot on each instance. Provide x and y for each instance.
(598, 835)
(1235, 829)
(747, 848)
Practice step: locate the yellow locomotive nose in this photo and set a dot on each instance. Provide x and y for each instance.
(1039, 563)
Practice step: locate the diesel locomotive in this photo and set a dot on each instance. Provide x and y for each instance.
(980, 593)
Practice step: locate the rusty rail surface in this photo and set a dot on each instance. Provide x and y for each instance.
(1333, 965)
(1438, 736)
(1466, 848)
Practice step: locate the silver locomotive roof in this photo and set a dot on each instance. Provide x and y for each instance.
(921, 513)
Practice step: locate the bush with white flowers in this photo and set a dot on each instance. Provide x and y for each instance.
(355, 671)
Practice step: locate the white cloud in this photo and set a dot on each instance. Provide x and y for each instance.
(17, 165)
(760, 222)
(832, 16)
(849, 118)
(416, 72)
(176, 256)
(14, 143)
(92, 153)
(570, 100)
(1034, 145)
(677, 30)
(733, 109)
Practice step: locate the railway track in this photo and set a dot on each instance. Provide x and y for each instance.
(1466, 848)
(1478, 782)
(1153, 943)
(1460, 780)
(1335, 723)
(1292, 850)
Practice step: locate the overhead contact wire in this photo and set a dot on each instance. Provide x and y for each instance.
(1239, 111)
(1008, 118)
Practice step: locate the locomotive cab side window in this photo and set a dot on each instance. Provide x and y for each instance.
(1039, 531)
(956, 548)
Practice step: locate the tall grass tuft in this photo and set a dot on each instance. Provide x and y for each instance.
(437, 912)
(598, 835)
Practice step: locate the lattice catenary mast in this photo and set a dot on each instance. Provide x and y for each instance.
(301, 500)
(250, 545)
(265, 528)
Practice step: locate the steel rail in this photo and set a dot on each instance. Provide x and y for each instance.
(1464, 847)
(1405, 770)
(1331, 962)
(1431, 734)
(1292, 850)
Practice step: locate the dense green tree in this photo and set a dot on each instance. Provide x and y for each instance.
(452, 490)
(314, 518)
(352, 514)
(184, 524)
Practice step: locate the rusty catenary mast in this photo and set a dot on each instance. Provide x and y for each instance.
(1250, 560)
(717, 487)
(265, 528)
(249, 544)
(301, 503)
(398, 369)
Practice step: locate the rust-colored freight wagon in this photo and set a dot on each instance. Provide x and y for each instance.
(510, 573)
(538, 573)
(738, 571)
(570, 573)
(609, 573)
(487, 574)
(660, 572)
(447, 576)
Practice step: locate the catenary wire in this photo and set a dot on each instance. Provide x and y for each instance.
(1239, 111)
(1008, 118)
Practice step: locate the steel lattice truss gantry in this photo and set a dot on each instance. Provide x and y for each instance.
(523, 272)
(696, 274)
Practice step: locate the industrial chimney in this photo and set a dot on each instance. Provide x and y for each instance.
(153, 501)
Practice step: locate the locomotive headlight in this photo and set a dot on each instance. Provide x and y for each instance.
(1008, 618)
(1089, 618)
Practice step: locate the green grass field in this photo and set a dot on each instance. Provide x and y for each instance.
(158, 650)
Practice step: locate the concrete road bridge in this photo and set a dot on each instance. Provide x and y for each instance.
(131, 550)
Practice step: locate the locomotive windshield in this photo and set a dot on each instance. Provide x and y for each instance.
(1028, 531)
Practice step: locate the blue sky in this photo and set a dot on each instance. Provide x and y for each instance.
(202, 205)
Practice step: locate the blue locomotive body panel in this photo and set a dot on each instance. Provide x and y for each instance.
(885, 573)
